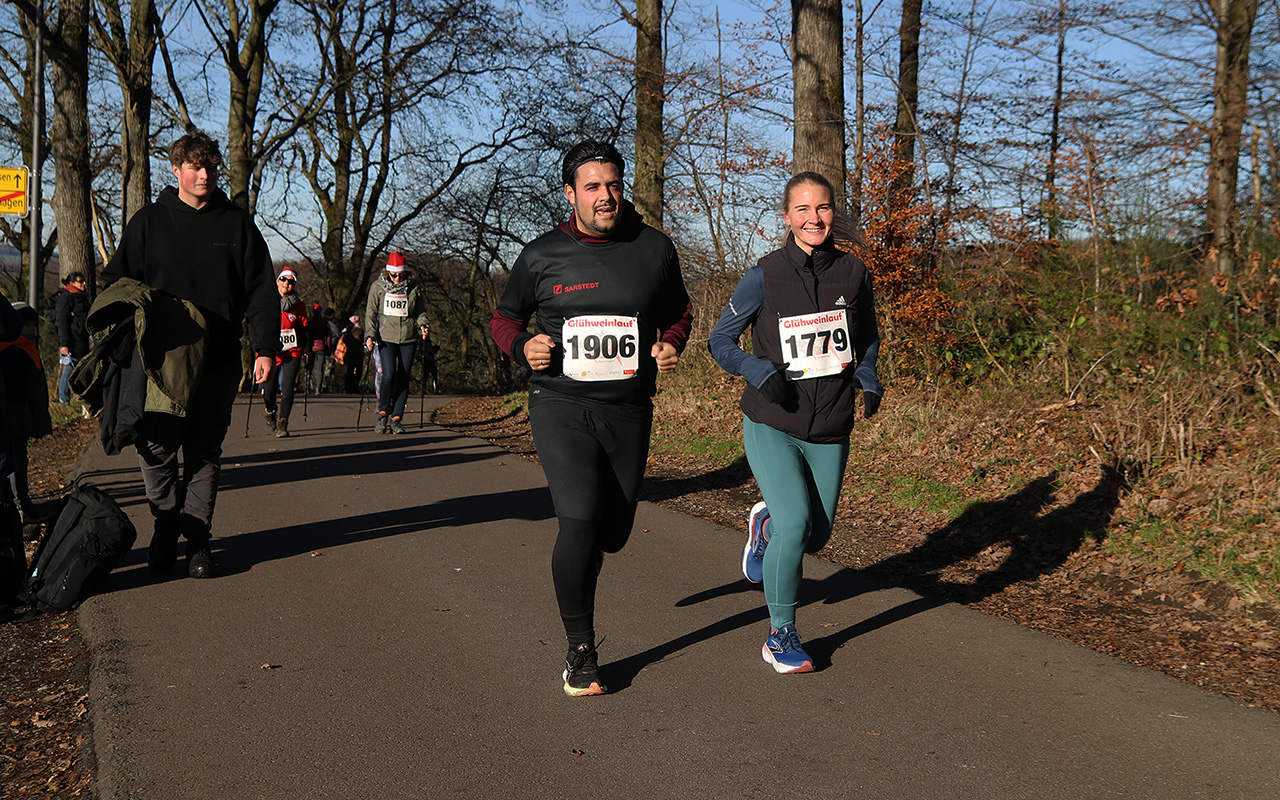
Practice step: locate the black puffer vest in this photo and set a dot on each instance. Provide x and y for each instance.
(822, 409)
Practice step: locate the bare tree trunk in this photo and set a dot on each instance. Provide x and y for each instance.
(1052, 218)
(905, 128)
(859, 114)
(1256, 216)
(1233, 20)
(132, 53)
(817, 69)
(247, 30)
(647, 193)
(69, 58)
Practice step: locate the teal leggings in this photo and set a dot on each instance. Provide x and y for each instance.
(800, 483)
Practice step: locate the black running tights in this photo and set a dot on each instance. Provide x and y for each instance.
(594, 461)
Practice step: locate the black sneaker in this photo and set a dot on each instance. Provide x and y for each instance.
(200, 564)
(396, 427)
(271, 420)
(381, 425)
(581, 672)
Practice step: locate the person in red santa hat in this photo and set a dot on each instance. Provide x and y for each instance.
(395, 318)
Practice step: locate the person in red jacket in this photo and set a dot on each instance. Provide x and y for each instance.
(293, 334)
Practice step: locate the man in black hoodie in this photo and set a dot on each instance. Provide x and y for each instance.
(194, 244)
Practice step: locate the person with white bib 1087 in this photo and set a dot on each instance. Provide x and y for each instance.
(395, 316)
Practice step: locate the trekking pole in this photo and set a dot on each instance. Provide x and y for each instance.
(364, 370)
(422, 394)
(306, 392)
(248, 414)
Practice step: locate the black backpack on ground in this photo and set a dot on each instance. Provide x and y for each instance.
(90, 537)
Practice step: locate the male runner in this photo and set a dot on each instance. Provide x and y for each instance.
(612, 312)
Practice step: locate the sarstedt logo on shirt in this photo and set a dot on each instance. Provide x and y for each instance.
(557, 289)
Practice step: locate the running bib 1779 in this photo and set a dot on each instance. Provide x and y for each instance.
(288, 338)
(395, 305)
(600, 347)
(815, 345)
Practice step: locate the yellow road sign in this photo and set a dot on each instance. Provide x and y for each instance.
(13, 191)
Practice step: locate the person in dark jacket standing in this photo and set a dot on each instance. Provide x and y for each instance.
(815, 341)
(323, 334)
(70, 310)
(612, 312)
(195, 244)
(351, 355)
(13, 559)
(26, 396)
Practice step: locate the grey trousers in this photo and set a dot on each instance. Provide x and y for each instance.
(184, 490)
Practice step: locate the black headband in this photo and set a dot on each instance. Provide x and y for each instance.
(601, 159)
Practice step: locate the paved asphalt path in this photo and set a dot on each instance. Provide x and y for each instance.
(386, 629)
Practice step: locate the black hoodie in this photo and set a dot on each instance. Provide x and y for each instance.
(214, 257)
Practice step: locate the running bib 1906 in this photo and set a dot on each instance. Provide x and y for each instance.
(815, 345)
(600, 347)
(288, 338)
(395, 305)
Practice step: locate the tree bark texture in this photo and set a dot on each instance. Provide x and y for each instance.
(132, 51)
(1233, 21)
(69, 59)
(245, 68)
(650, 95)
(817, 68)
(1052, 218)
(859, 114)
(905, 128)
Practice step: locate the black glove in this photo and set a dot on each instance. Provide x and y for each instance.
(775, 388)
(870, 404)
(870, 400)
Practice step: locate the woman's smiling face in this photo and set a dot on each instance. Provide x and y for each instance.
(809, 214)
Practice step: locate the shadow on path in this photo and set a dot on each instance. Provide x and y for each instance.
(238, 553)
(733, 476)
(1038, 543)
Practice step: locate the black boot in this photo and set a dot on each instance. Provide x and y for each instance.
(200, 563)
(163, 551)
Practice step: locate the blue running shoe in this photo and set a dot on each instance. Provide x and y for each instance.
(753, 553)
(782, 649)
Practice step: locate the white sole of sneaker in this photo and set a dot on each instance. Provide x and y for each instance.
(783, 669)
(756, 510)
